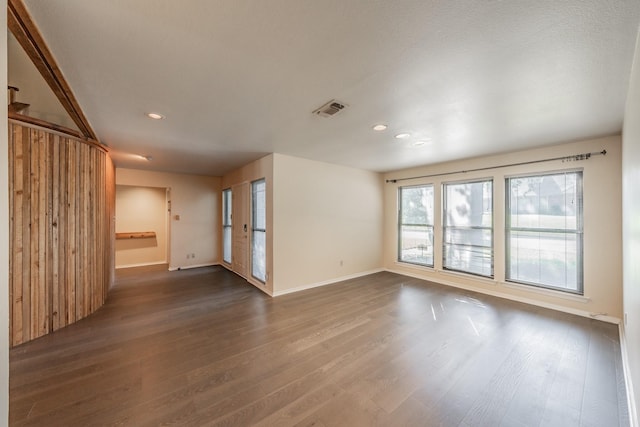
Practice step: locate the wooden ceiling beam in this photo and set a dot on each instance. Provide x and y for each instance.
(25, 31)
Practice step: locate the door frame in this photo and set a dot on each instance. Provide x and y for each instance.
(240, 229)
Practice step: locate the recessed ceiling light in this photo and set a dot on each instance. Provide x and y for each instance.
(403, 135)
(421, 142)
(379, 127)
(155, 116)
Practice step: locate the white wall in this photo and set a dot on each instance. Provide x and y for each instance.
(327, 223)
(631, 226)
(141, 209)
(602, 226)
(196, 199)
(324, 222)
(4, 232)
(261, 168)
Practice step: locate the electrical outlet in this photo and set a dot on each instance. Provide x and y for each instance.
(193, 255)
(341, 263)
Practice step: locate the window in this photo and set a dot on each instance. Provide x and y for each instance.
(258, 230)
(468, 227)
(415, 225)
(226, 226)
(544, 230)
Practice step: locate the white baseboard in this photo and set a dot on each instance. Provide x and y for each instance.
(631, 401)
(144, 264)
(326, 282)
(186, 267)
(530, 301)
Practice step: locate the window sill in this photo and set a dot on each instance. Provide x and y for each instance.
(450, 273)
(547, 292)
(494, 282)
(415, 266)
(469, 276)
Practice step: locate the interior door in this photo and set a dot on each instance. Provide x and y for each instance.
(240, 229)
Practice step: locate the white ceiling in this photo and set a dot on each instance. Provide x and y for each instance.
(237, 79)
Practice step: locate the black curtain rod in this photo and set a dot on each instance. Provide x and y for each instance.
(575, 157)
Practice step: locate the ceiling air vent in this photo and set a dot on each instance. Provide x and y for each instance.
(329, 109)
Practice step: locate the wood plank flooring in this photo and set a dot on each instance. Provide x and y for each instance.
(203, 347)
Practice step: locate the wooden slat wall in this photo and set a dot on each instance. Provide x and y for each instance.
(62, 230)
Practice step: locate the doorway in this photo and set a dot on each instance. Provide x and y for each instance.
(142, 226)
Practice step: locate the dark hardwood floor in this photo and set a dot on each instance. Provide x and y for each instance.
(202, 347)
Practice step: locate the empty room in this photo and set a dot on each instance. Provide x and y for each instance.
(303, 213)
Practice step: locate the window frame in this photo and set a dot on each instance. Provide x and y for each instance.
(579, 231)
(444, 185)
(401, 224)
(255, 230)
